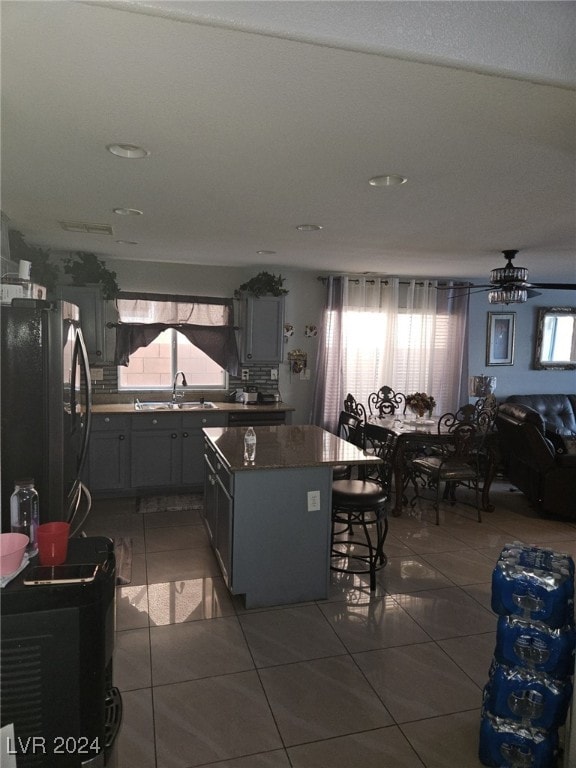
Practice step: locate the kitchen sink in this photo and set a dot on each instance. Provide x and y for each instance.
(155, 405)
(152, 406)
(195, 406)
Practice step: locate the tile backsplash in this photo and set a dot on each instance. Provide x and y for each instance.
(106, 388)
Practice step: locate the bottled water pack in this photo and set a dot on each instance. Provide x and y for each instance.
(531, 698)
(505, 744)
(535, 645)
(535, 584)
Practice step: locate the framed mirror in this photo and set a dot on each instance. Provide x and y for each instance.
(556, 339)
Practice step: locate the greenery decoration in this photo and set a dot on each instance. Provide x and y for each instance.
(265, 283)
(42, 271)
(85, 268)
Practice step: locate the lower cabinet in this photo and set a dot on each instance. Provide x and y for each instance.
(193, 443)
(219, 511)
(156, 451)
(148, 451)
(109, 452)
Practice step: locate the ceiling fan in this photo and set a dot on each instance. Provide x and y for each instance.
(509, 284)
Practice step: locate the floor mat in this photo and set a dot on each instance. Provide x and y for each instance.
(170, 503)
(123, 554)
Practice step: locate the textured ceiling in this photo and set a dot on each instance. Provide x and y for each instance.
(262, 116)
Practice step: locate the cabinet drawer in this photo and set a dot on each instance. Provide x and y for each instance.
(221, 470)
(201, 420)
(108, 421)
(156, 421)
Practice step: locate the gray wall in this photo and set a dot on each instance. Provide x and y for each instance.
(304, 304)
(519, 378)
(303, 307)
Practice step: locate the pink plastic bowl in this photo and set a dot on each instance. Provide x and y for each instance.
(12, 548)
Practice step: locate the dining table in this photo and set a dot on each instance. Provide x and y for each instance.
(413, 435)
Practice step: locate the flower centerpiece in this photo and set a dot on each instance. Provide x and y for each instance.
(420, 403)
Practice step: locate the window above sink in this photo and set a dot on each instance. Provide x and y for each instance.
(152, 368)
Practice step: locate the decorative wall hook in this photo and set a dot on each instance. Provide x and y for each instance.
(298, 360)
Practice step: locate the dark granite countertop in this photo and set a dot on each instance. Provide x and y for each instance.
(285, 446)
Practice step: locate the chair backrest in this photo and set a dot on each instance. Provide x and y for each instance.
(482, 414)
(350, 428)
(464, 413)
(351, 405)
(464, 433)
(486, 412)
(386, 402)
(381, 444)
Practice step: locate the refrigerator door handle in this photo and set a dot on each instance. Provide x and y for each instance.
(81, 354)
(80, 360)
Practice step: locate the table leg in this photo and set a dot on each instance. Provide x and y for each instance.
(488, 478)
(398, 464)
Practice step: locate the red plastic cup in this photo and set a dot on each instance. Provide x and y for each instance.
(52, 541)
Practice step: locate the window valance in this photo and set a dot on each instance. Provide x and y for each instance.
(206, 321)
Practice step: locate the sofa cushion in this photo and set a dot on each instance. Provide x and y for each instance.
(557, 411)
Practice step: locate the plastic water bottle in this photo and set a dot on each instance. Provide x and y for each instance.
(24, 514)
(250, 445)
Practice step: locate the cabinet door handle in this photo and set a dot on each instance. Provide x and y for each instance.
(121, 437)
(107, 420)
(173, 435)
(154, 421)
(184, 434)
(218, 465)
(204, 421)
(211, 479)
(98, 353)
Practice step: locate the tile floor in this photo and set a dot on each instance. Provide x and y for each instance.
(389, 680)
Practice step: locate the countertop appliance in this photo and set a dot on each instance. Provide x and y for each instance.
(248, 395)
(269, 398)
(56, 665)
(46, 404)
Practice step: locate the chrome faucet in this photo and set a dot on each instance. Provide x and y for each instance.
(184, 384)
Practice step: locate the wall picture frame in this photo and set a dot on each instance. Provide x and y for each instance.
(500, 338)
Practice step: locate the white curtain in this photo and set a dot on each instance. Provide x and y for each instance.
(408, 335)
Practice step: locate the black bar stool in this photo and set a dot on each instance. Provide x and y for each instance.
(360, 518)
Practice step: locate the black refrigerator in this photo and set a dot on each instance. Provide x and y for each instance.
(45, 405)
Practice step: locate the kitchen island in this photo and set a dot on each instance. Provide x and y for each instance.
(269, 521)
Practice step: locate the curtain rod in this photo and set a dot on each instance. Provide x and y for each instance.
(385, 281)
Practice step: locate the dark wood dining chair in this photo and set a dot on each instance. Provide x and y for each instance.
(456, 460)
(386, 402)
(351, 405)
(350, 428)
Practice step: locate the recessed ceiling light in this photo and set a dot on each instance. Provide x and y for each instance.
(128, 211)
(389, 180)
(266, 253)
(127, 242)
(308, 227)
(130, 151)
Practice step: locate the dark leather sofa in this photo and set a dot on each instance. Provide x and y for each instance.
(538, 443)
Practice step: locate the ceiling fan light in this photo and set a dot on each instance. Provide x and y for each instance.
(508, 274)
(508, 295)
